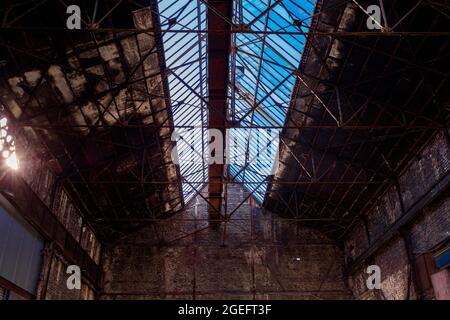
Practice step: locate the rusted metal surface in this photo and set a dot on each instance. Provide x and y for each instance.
(8, 285)
(364, 103)
(108, 96)
(218, 18)
(342, 79)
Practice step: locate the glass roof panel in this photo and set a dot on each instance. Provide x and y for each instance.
(262, 65)
(185, 55)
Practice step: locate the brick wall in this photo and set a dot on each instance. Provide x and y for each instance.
(430, 227)
(258, 256)
(57, 288)
(38, 172)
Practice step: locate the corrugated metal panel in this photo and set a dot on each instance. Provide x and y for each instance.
(20, 251)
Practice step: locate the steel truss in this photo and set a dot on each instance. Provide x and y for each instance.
(341, 104)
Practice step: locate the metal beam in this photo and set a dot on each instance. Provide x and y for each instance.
(219, 14)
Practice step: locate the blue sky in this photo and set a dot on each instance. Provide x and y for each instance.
(263, 66)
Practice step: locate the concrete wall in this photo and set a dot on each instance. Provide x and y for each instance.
(429, 228)
(258, 256)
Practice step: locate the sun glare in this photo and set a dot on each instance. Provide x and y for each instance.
(7, 148)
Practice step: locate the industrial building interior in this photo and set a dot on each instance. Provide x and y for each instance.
(334, 119)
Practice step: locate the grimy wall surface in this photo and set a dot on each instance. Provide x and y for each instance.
(46, 191)
(398, 256)
(257, 256)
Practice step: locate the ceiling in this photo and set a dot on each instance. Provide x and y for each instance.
(353, 105)
(96, 102)
(363, 105)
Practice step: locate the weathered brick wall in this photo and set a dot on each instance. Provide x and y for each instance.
(37, 170)
(262, 257)
(432, 226)
(395, 270)
(429, 228)
(56, 288)
(433, 163)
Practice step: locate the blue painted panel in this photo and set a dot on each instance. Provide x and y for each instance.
(443, 260)
(20, 251)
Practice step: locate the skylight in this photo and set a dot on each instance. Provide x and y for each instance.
(263, 64)
(185, 55)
